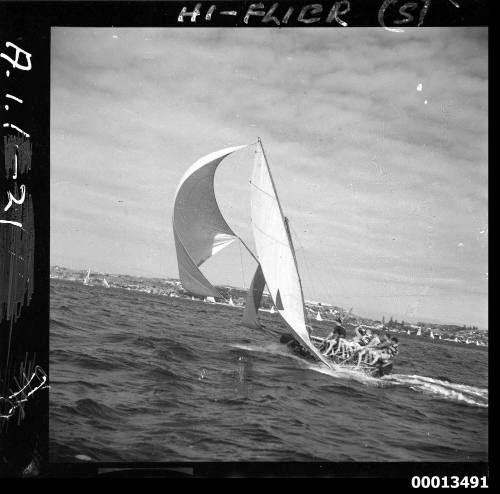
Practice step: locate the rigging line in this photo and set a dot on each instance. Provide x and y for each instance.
(308, 271)
(262, 190)
(306, 264)
(269, 236)
(337, 278)
(241, 260)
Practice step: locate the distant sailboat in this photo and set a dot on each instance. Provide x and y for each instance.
(318, 317)
(419, 332)
(467, 341)
(431, 335)
(86, 281)
(200, 231)
(408, 332)
(272, 311)
(105, 283)
(456, 339)
(210, 300)
(231, 301)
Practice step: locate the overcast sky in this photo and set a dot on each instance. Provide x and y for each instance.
(377, 141)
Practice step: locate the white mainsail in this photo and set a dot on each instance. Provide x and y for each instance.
(105, 283)
(275, 252)
(318, 316)
(419, 332)
(272, 311)
(200, 231)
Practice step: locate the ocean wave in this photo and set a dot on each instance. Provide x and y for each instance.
(87, 407)
(143, 378)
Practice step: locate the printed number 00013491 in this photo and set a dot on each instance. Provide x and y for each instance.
(453, 482)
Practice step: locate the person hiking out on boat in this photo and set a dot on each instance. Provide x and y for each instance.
(373, 341)
(337, 337)
(342, 346)
(364, 335)
(333, 342)
(373, 349)
(386, 351)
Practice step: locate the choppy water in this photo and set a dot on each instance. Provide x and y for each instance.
(137, 377)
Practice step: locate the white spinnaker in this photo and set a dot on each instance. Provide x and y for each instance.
(200, 230)
(275, 253)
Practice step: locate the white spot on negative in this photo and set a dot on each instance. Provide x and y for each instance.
(419, 87)
(460, 244)
(425, 102)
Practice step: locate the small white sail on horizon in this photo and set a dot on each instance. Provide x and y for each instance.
(318, 316)
(86, 281)
(231, 301)
(272, 311)
(105, 283)
(431, 335)
(419, 332)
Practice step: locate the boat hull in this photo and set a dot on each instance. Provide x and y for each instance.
(378, 370)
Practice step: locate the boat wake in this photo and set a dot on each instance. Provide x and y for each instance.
(438, 388)
(470, 395)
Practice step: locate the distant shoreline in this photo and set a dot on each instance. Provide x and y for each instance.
(172, 287)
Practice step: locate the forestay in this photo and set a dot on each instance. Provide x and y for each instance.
(200, 231)
(275, 251)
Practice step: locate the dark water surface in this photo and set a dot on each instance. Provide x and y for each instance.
(138, 377)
